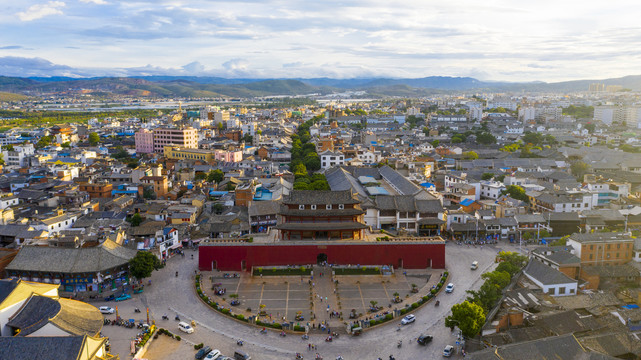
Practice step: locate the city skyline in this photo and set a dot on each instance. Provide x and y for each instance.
(501, 40)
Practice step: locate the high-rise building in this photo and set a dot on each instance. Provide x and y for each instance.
(187, 138)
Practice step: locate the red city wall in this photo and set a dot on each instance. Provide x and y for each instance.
(406, 255)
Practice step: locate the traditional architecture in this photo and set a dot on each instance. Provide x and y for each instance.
(327, 215)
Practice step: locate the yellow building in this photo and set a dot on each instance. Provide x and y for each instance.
(181, 153)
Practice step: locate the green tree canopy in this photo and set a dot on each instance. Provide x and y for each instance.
(136, 219)
(487, 176)
(300, 169)
(312, 161)
(141, 265)
(215, 176)
(468, 316)
(94, 139)
(485, 138)
(515, 192)
(470, 155)
(579, 168)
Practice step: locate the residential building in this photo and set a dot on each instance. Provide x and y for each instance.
(551, 281)
(159, 184)
(97, 190)
(144, 141)
(330, 159)
(602, 248)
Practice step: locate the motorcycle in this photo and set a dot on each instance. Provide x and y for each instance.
(400, 343)
(283, 334)
(239, 343)
(176, 273)
(438, 302)
(263, 331)
(165, 317)
(299, 356)
(136, 310)
(177, 318)
(328, 339)
(305, 337)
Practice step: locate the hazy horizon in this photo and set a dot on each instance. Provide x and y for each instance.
(499, 41)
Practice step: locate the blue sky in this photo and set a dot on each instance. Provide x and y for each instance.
(511, 40)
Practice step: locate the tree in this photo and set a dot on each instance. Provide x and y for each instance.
(1, 159)
(590, 127)
(8, 147)
(300, 169)
(141, 265)
(136, 219)
(148, 193)
(436, 143)
(215, 176)
(579, 168)
(485, 138)
(94, 139)
(468, 316)
(43, 142)
(200, 176)
(487, 176)
(248, 139)
(515, 192)
(470, 155)
(532, 138)
(498, 278)
(66, 144)
(312, 162)
(517, 260)
(319, 185)
(500, 178)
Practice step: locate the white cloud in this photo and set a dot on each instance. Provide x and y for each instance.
(38, 11)
(99, 2)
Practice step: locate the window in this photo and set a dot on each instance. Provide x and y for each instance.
(561, 290)
(301, 207)
(313, 207)
(328, 207)
(590, 256)
(341, 206)
(591, 247)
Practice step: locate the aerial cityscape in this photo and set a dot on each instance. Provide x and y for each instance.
(286, 180)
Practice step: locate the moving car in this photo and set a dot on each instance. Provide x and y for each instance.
(475, 265)
(202, 353)
(449, 288)
(123, 297)
(408, 319)
(184, 327)
(213, 355)
(106, 310)
(424, 339)
(448, 351)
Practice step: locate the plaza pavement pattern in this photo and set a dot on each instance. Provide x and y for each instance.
(173, 295)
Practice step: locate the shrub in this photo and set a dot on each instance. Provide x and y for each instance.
(403, 311)
(299, 328)
(425, 298)
(414, 305)
(388, 317)
(372, 322)
(433, 291)
(240, 317)
(178, 337)
(198, 346)
(225, 311)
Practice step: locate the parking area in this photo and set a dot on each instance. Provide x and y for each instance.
(357, 292)
(283, 296)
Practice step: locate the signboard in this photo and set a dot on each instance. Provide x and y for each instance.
(78, 281)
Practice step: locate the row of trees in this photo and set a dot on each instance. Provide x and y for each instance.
(470, 315)
(305, 160)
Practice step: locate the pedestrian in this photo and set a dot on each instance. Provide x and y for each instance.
(309, 347)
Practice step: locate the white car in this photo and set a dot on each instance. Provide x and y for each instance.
(449, 288)
(408, 319)
(213, 355)
(106, 310)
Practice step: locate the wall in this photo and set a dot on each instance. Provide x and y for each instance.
(409, 255)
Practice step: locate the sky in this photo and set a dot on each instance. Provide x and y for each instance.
(502, 40)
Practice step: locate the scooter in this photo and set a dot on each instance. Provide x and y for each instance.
(165, 317)
(437, 303)
(400, 343)
(239, 343)
(263, 331)
(305, 337)
(136, 310)
(177, 318)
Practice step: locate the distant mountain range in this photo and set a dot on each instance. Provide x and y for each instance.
(193, 86)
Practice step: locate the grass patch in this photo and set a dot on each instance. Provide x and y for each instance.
(357, 271)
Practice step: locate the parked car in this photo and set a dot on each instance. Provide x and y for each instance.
(202, 353)
(449, 288)
(106, 310)
(408, 319)
(424, 339)
(448, 351)
(123, 297)
(213, 355)
(184, 327)
(110, 297)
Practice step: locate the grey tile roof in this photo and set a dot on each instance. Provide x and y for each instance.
(308, 197)
(545, 274)
(258, 208)
(34, 314)
(50, 259)
(560, 257)
(339, 179)
(41, 347)
(400, 182)
(6, 287)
